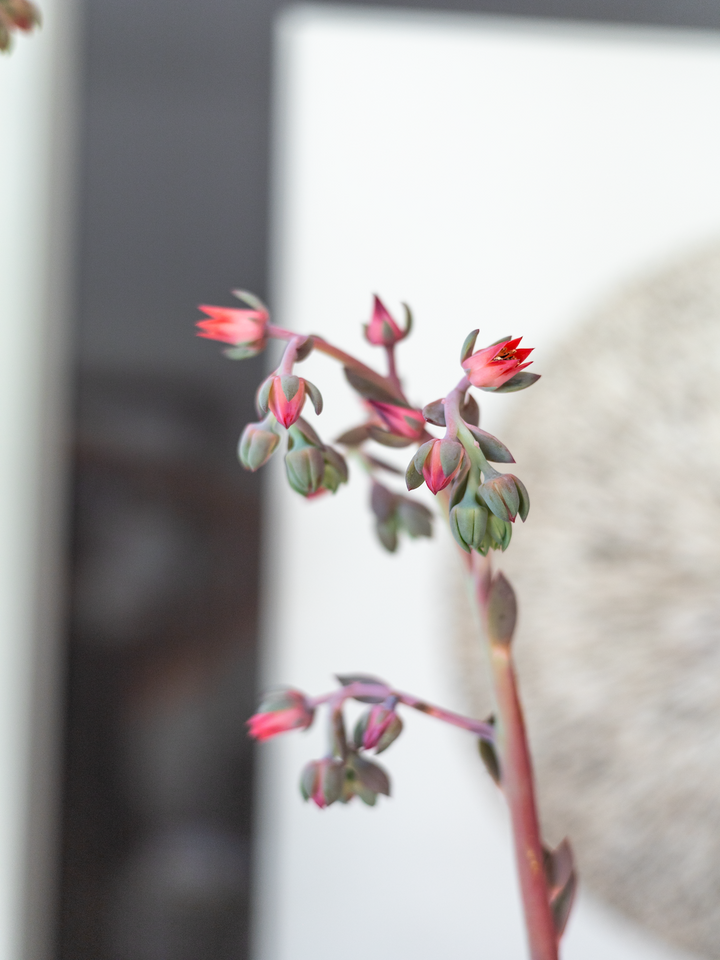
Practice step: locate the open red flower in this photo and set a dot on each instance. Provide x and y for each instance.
(241, 328)
(496, 364)
(281, 711)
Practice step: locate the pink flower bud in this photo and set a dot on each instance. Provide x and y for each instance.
(280, 711)
(401, 421)
(496, 364)
(382, 331)
(322, 781)
(241, 328)
(442, 463)
(378, 728)
(286, 398)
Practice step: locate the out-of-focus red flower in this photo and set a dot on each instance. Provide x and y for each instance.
(16, 15)
(279, 712)
(382, 331)
(496, 364)
(402, 421)
(238, 327)
(286, 398)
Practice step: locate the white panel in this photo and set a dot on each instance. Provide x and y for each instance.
(492, 173)
(36, 137)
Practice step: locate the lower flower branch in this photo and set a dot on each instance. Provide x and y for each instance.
(345, 772)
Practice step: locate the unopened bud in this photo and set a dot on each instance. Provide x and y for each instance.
(256, 446)
(498, 534)
(402, 423)
(382, 329)
(286, 397)
(468, 521)
(305, 468)
(378, 728)
(506, 496)
(440, 462)
(322, 781)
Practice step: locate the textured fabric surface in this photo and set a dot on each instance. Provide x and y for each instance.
(618, 573)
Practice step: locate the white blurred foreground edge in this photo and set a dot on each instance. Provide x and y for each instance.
(501, 174)
(37, 134)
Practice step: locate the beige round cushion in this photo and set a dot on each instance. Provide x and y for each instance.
(618, 575)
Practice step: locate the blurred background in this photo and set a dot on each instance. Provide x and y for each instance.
(166, 153)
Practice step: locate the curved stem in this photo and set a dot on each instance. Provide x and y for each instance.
(517, 784)
(346, 359)
(392, 371)
(361, 689)
(289, 356)
(479, 727)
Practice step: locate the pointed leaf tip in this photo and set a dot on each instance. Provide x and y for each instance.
(501, 611)
(408, 320)
(315, 396)
(468, 345)
(370, 389)
(521, 381)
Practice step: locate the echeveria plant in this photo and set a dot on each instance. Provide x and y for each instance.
(480, 505)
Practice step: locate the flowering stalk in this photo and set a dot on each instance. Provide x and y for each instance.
(496, 602)
(481, 505)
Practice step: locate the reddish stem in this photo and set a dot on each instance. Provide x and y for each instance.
(392, 370)
(346, 359)
(359, 689)
(517, 784)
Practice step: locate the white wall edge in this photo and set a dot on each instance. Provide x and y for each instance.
(39, 99)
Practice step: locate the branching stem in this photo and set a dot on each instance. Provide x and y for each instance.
(381, 692)
(346, 359)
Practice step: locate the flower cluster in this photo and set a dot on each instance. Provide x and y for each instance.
(481, 505)
(482, 502)
(345, 771)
